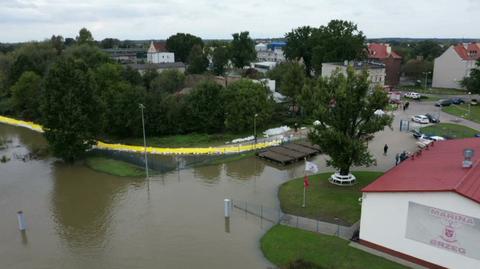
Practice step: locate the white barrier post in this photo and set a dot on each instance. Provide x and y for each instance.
(22, 225)
(226, 207)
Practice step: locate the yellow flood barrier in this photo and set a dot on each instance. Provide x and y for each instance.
(237, 148)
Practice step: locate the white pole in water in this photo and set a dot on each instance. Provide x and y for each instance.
(226, 207)
(144, 141)
(22, 225)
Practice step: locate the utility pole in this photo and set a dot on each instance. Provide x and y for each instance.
(142, 107)
(426, 79)
(255, 129)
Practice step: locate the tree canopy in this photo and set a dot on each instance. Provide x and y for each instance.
(197, 60)
(243, 99)
(85, 37)
(69, 109)
(242, 49)
(338, 41)
(472, 82)
(26, 94)
(220, 60)
(181, 44)
(345, 110)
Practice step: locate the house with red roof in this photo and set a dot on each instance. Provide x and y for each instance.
(455, 64)
(157, 54)
(427, 209)
(383, 53)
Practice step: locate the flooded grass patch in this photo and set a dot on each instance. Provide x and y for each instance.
(114, 167)
(325, 201)
(283, 245)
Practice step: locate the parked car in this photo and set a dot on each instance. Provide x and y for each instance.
(432, 118)
(416, 133)
(420, 119)
(413, 95)
(457, 101)
(432, 137)
(443, 102)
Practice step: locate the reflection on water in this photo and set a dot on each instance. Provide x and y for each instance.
(82, 204)
(245, 168)
(209, 174)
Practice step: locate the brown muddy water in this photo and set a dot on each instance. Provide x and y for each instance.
(79, 218)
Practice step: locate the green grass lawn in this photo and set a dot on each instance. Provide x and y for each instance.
(325, 201)
(114, 167)
(188, 140)
(282, 245)
(463, 112)
(449, 130)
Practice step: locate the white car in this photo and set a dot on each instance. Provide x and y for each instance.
(420, 119)
(413, 95)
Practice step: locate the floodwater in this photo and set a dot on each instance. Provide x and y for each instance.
(79, 218)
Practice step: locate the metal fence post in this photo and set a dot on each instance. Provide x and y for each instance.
(297, 222)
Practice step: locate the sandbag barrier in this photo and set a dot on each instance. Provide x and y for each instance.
(237, 148)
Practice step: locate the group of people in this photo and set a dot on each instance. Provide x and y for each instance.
(400, 157)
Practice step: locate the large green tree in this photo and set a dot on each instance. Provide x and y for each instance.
(338, 41)
(242, 49)
(290, 78)
(26, 93)
(299, 46)
(169, 81)
(197, 60)
(206, 107)
(85, 37)
(472, 82)
(181, 44)
(242, 100)
(345, 110)
(70, 108)
(220, 58)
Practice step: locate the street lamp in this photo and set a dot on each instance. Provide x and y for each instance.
(255, 129)
(469, 105)
(142, 107)
(426, 79)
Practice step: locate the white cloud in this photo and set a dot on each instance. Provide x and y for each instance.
(22, 20)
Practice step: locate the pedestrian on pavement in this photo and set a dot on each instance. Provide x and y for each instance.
(407, 104)
(397, 159)
(385, 149)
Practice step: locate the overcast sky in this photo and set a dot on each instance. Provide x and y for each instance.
(23, 20)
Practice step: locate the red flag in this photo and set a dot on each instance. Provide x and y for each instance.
(305, 181)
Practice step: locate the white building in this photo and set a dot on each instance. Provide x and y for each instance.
(157, 53)
(376, 71)
(455, 64)
(427, 209)
(272, 52)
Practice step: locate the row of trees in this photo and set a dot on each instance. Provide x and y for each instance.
(192, 50)
(80, 95)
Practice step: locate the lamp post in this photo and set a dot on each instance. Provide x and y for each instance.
(469, 105)
(142, 107)
(426, 79)
(255, 129)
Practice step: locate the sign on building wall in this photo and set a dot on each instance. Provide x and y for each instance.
(444, 229)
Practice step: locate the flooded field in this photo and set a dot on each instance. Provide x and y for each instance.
(79, 218)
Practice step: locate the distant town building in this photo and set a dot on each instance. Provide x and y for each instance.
(375, 70)
(264, 66)
(159, 67)
(127, 55)
(427, 208)
(157, 53)
(383, 53)
(272, 52)
(454, 64)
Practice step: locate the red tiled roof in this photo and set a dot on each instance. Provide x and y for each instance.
(379, 51)
(160, 46)
(470, 52)
(438, 169)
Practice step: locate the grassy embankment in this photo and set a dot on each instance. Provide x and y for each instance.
(282, 245)
(449, 130)
(114, 167)
(463, 111)
(325, 201)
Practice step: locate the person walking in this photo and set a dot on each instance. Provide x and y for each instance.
(385, 149)
(397, 159)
